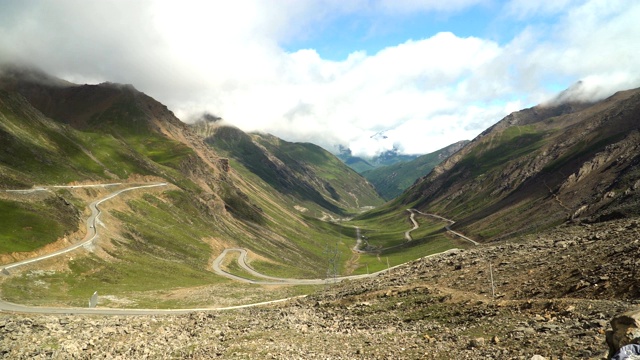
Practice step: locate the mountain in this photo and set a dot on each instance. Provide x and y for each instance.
(49, 133)
(54, 132)
(391, 180)
(360, 164)
(357, 163)
(570, 163)
(540, 167)
(306, 172)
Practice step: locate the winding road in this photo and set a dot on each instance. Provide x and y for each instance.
(412, 217)
(90, 223)
(448, 227)
(270, 280)
(92, 233)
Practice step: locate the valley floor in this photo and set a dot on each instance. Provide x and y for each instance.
(554, 295)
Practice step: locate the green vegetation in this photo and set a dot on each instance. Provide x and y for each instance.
(390, 181)
(162, 249)
(25, 227)
(429, 245)
(288, 201)
(303, 171)
(513, 143)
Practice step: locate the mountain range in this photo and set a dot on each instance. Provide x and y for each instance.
(536, 168)
(391, 180)
(540, 167)
(362, 164)
(529, 230)
(228, 188)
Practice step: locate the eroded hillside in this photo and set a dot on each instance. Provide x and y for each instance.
(540, 167)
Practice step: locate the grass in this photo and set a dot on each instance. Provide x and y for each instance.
(419, 248)
(162, 244)
(234, 268)
(385, 230)
(510, 146)
(161, 150)
(162, 249)
(388, 231)
(29, 225)
(25, 227)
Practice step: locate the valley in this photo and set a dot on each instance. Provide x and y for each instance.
(554, 295)
(93, 221)
(525, 237)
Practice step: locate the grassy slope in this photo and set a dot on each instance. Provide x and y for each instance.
(305, 172)
(340, 182)
(163, 242)
(506, 181)
(23, 227)
(40, 151)
(390, 181)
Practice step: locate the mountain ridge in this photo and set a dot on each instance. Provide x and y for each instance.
(523, 160)
(64, 133)
(391, 180)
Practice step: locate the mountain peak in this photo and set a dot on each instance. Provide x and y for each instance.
(13, 76)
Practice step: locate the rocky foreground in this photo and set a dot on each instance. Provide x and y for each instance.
(553, 296)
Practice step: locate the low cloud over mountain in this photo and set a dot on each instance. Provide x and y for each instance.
(262, 67)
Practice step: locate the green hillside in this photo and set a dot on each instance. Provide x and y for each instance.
(537, 168)
(391, 180)
(284, 202)
(308, 174)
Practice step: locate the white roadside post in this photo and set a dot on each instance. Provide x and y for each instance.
(94, 300)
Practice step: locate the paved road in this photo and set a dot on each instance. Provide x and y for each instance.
(270, 280)
(49, 187)
(11, 307)
(90, 224)
(448, 227)
(412, 217)
(289, 281)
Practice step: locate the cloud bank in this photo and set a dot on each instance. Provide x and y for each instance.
(228, 58)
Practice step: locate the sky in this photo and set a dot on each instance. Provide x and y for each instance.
(370, 75)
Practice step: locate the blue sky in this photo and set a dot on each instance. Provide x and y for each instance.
(371, 32)
(427, 73)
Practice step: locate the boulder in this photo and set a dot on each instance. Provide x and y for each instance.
(625, 330)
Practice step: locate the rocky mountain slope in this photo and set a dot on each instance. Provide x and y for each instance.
(549, 293)
(540, 167)
(391, 180)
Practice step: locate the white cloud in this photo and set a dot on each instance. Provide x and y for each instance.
(407, 6)
(527, 8)
(424, 94)
(593, 42)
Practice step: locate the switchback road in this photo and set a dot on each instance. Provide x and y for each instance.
(412, 217)
(269, 280)
(448, 227)
(90, 223)
(92, 233)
